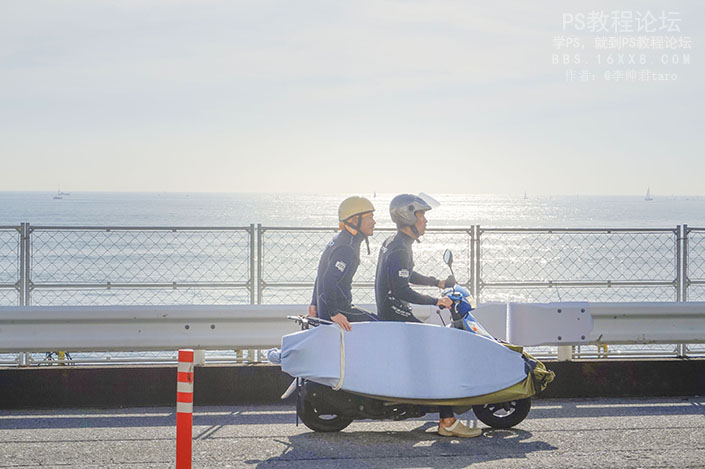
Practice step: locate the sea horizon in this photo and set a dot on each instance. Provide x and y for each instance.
(103, 208)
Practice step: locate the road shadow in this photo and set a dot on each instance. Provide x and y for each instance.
(221, 416)
(415, 448)
(121, 418)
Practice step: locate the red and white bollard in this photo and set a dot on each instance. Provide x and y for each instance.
(184, 409)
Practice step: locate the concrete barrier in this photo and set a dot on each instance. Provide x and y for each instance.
(66, 386)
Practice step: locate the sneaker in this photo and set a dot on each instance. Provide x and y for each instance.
(458, 429)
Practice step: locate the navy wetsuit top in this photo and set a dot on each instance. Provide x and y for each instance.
(332, 292)
(395, 270)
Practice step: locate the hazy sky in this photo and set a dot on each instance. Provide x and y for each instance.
(349, 96)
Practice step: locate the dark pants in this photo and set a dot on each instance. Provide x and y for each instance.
(445, 412)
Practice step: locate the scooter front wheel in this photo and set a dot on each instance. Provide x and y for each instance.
(503, 414)
(319, 421)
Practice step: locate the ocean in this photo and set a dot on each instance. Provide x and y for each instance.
(320, 210)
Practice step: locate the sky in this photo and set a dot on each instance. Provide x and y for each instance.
(440, 96)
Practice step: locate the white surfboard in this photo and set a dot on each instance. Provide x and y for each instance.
(402, 360)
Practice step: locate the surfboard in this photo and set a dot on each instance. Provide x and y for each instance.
(402, 360)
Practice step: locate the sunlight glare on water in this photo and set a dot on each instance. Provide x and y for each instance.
(320, 210)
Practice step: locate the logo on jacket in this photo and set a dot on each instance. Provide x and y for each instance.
(340, 265)
(404, 273)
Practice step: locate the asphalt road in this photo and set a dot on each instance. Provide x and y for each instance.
(605, 433)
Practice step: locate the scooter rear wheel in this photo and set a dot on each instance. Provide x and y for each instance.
(503, 414)
(318, 421)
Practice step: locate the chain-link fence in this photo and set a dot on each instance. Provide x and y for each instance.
(10, 261)
(694, 283)
(288, 261)
(124, 265)
(11, 281)
(533, 265)
(695, 264)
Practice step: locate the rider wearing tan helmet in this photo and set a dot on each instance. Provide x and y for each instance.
(332, 292)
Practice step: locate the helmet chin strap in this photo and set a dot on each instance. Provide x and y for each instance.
(355, 229)
(416, 233)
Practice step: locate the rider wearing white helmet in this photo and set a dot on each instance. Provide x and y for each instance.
(394, 296)
(395, 268)
(332, 291)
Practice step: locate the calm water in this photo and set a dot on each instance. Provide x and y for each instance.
(198, 209)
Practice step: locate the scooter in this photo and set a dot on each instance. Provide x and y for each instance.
(322, 409)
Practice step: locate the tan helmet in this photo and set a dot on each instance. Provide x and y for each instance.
(354, 205)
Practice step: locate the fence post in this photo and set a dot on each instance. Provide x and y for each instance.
(477, 261)
(679, 276)
(260, 282)
(685, 280)
(565, 353)
(253, 278)
(471, 266)
(21, 280)
(23, 358)
(25, 277)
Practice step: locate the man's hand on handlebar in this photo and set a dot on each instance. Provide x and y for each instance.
(447, 283)
(444, 302)
(342, 321)
(312, 311)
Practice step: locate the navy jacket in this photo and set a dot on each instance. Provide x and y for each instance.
(395, 270)
(332, 292)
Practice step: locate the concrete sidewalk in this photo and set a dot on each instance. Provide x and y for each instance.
(638, 433)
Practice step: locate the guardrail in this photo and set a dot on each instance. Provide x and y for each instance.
(141, 328)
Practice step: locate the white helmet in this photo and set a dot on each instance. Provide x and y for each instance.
(403, 209)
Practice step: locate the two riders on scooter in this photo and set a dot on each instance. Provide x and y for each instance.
(332, 295)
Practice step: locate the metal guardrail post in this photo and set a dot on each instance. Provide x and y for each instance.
(685, 280)
(471, 234)
(679, 276)
(681, 350)
(477, 281)
(565, 353)
(24, 358)
(28, 263)
(22, 284)
(253, 278)
(260, 282)
(255, 269)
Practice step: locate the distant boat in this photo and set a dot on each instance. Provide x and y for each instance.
(525, 197)
(648, 194)
(58, 193)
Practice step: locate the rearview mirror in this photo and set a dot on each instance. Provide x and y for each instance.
(448, 257)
